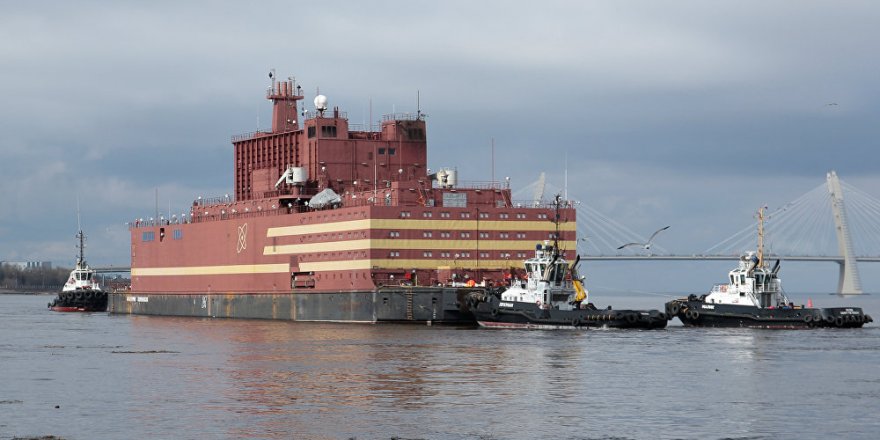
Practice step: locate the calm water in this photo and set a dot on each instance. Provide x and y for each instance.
(117, 377)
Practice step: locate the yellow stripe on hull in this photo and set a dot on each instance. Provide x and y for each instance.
(397, 244)
(406, 264)
(323, 266)
(427, 225)
(238, 269)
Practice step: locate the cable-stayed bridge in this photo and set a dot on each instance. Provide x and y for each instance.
(818, 226)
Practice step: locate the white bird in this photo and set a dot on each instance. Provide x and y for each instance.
(646, 245)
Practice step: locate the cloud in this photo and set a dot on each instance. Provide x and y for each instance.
(687, 112)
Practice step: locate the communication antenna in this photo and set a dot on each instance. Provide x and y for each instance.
(79, 235)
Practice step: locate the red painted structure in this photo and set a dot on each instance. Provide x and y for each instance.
(394, 223)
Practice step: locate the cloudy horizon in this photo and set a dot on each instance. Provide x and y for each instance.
(685, 113)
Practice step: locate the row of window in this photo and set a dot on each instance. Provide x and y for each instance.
(447, 255)
(445, 234)
(483, 215)
(177, 234)
(430, 254)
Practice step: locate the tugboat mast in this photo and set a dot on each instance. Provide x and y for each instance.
(81, 259)
(761, 237)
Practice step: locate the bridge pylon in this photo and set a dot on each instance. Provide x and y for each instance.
(849, 282)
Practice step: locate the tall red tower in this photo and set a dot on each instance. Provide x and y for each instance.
(261, 157)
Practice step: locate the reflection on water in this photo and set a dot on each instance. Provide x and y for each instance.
(158, 377)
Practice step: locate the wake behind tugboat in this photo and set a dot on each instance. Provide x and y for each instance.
(553, 297)
(754, 298)
(81, 292)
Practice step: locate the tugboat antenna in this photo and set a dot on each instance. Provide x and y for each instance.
(761, 236)
(79, 234)
(556, 223)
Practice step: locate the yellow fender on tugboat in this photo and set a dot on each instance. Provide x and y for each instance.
(579, 288)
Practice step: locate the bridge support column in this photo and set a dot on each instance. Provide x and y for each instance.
(849, 282)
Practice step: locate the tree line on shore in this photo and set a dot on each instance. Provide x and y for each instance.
(14, 277)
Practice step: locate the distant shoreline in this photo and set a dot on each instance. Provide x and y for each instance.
(27, 292)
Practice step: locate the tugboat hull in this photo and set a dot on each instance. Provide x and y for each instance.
(695, 312)
(80, 301)
(491, 312)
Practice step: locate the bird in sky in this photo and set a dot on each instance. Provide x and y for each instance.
(646, 245)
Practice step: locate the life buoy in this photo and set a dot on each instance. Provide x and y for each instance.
(724, 288)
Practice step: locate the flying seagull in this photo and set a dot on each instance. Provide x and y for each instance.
(646, 245)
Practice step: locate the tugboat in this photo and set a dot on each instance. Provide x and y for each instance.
(82, 292)
(553, 297)
(754, 298)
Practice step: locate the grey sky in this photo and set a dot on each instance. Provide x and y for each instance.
(687, 113)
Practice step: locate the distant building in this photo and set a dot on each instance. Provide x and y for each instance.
(28, 264)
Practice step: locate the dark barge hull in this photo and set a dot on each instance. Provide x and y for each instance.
(439, 305)
(493, 313)
(697, 313)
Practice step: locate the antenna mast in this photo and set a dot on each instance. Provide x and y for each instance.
(81, 259)
(761, 236)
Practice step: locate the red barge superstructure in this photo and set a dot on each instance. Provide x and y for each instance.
(333, 222)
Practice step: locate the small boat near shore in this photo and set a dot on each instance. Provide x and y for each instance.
(81, 292)
(754, 298)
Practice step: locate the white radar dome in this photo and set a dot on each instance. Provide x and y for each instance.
(320, 102)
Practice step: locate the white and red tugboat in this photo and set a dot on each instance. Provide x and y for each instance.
(81, 292)
(553, 297)
(754, 298)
